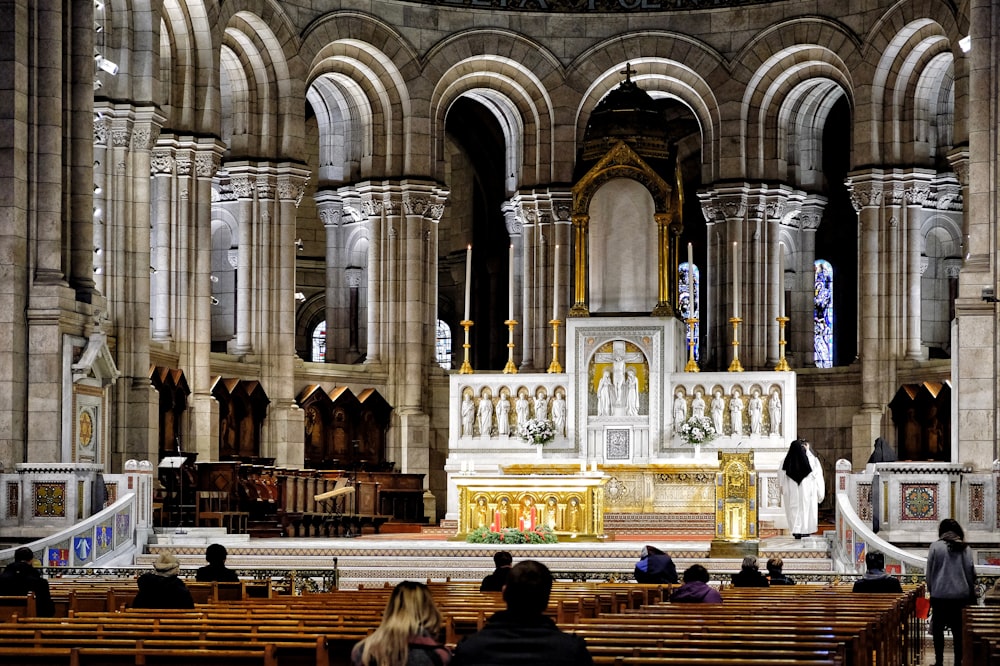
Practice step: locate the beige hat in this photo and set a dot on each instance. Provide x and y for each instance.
(166, 565)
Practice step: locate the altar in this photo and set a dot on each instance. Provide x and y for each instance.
(617, 411)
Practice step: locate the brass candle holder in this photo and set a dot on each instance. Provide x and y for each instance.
(554, 365)
(782, 365)
(692, 365)
(736, 366)
(466, 368)
(510, 368)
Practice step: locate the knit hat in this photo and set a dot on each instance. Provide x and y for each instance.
(166, 565)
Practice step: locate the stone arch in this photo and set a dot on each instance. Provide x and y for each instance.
(360, 89)
(508, 79)
(308, 314)
(665, 65)
(189, 38)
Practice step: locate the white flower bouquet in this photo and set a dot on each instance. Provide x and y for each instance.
(697, 430)
(537, 431)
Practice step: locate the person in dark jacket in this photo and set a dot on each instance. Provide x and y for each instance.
(655, 566)
(216, 571)
(696, 588)
(523, 634)
(495, 581)
(875, 578)
(951, 584)
(161, 588)
(775, 575)
(21, 577)
(749, 575)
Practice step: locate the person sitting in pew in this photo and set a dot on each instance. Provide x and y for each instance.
(655, 566)
(216, 571)
(775, 576)
(523, 634)
(495, 581)
(696, 588)
(749, 575)
(161, 588)
(20, 577)
(876, 579)
(408, 633)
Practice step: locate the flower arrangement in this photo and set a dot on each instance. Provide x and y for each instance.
(537, 431)
(509, 535)
(698, 430)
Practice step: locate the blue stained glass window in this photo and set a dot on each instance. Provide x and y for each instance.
(823, 314)
(442, 345)
(319, 343)
(690, 302)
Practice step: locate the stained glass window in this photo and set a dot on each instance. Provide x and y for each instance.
(319, 343)
(823, 314)
(442, 345)
(690, 302)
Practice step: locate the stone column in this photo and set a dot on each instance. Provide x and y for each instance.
(244, 183)
(330, 207)
(162, 169)
(352, 278)
(725, 210)
(915, 193)
(803, 299)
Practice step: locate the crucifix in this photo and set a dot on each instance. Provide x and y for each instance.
(628, 72)
(619, 357)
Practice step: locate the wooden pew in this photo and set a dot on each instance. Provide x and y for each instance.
(15, 607)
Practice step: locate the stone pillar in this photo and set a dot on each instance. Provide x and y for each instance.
(803, 299)
(244, 183)
(515, 230)
(352, 278)
(917, 187)
(330, 207)
(162, 166)
(725, 210)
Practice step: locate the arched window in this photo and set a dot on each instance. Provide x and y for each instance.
(690, 302)
(823, 314)
(319, 343)
(442, 345)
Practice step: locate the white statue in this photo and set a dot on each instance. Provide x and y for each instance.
(756, 410)
(468, 415)
(736, 408)
(541, 404)
(485, 415)
(698, 405)
(605, 395)
(559, 413)
(631, 393)
(503, 415)
(618, 371)
(680, 409)
(774, 410)
(718, 405)
(521, 409)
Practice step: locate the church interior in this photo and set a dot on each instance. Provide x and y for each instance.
(297, 271)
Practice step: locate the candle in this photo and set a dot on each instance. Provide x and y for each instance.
(534, 516)
(583, 465)
(736, 280)
(555, 285)
(781, 279)
(496, 521)
(690, 264)
(593, 465)
(468, 279)
(510, 285)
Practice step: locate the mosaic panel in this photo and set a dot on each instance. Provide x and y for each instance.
(977, 503)
(918, 501)
(122, 531)
(50, 499)
(83, 548)
(104, 538)
(13, 500)
(864, 507)
(58, 554)
(110, 493)
(616, 444)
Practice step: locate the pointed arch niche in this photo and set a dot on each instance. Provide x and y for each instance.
(625, 228)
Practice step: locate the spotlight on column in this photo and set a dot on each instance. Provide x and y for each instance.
(299, 296)
(215, 301)
(300, 246)
(152, 270)
(105, 64)
(213, 278)
(965, 44)
(99, 5)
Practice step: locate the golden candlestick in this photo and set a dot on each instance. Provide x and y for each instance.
(736, 366)
(692, 365)
(466, 368)
(554, 365)
(510, 368)
(782, 365)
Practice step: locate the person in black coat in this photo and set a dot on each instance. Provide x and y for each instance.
(495, 581)
(21, 577)
(749, 575)
(161, 588)
(655, 566)
(876, 579)
(523, 634)
(216, 571)
(775, 575)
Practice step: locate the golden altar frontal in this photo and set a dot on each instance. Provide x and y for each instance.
(571, 505)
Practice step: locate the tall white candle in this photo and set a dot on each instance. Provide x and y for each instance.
(468, 279)
(690, 263)
(736, 280)
(510, 286)
(555, 285)
(781, 279)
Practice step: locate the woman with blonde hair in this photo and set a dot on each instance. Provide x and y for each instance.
(407, 635)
